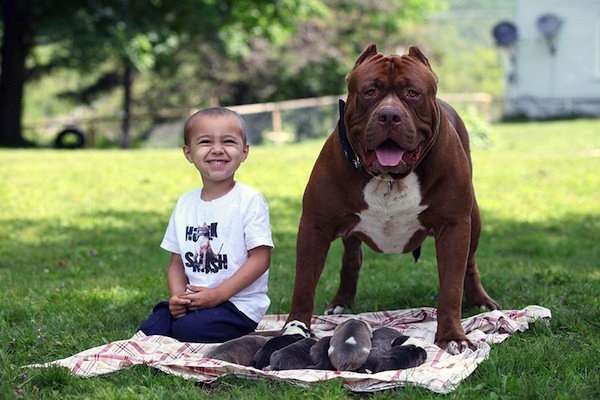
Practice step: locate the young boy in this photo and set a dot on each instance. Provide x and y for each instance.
(219, 238)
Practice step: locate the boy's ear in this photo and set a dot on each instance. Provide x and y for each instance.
(186, 153)
(245, 151)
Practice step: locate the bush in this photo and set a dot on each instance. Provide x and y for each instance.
(479, 129)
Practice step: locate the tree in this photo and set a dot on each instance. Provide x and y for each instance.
(26, 24)
(314, 60)
(131, 36)
(16, 44)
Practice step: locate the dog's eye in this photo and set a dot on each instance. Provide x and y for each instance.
(370, 92)
(412, 93)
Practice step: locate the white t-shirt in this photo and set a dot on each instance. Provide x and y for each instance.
(214, 237)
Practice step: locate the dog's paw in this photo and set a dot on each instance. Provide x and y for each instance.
(455, 347)
(337, 310)
(491, 304)
(481, 300)
(488, 304)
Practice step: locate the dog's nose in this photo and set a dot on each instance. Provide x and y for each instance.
(389, 116)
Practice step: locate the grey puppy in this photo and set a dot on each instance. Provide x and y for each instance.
(381, 344)
(262, 358)
(239, 351)
(319, 356)
(350, 345)
(400, 357)
(293, 356)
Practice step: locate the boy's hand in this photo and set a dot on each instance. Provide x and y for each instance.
(178, 305)
(202, 297)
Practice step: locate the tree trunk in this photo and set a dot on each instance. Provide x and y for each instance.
(125, 122)
(16, 43)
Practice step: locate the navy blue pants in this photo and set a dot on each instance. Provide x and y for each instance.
(208, 325)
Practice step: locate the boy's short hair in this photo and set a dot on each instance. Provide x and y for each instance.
(213, 112)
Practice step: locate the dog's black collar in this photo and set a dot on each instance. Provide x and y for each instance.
(343, 134)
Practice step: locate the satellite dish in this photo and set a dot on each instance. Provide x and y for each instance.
(505, 33)
(549, 26)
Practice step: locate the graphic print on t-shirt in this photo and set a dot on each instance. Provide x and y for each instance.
(204, 258)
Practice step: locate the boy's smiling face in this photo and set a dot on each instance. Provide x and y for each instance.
(216, 147)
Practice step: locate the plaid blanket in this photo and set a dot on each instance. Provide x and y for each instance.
(441, 373)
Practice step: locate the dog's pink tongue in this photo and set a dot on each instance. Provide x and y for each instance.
(389, 155)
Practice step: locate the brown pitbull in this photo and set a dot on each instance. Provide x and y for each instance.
(397, 169)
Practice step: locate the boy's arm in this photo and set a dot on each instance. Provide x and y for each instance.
(259, 259)
(176, 275)
(177, 282)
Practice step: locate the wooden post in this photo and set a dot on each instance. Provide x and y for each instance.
(91, 135)
(277, 125)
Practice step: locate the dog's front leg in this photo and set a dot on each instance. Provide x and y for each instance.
(452, 248)
(312, 246)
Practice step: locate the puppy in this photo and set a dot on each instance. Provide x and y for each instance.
(262, 357)
(399, 340)
(319, 356)
(350, 345)
(238, 351)
(293, 356)
(400, 357)
(387, 337)
(296, 328)
(382, 342)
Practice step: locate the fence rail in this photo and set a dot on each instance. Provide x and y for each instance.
(306, 117)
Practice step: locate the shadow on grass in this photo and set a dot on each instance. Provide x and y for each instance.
(569, 240)
(95, 279)
(111, 260)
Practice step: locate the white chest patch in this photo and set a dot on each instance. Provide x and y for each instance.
(390, 219)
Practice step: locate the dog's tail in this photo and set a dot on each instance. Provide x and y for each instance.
(416, 253)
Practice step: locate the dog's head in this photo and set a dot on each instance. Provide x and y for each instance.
(296, 328)
(391, 111)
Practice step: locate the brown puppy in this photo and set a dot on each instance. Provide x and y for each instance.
(396, 170)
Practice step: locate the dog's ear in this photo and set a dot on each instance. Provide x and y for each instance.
(415, 52)
(368, 52)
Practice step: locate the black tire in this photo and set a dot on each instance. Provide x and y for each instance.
(69, 138)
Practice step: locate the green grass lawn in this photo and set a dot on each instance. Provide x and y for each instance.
(80, 263)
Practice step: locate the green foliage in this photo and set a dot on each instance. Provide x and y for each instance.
(274, 21)
(479, 129)
(80, 263)
(191, 53)
(99, 38)
(460, 46)
(485, 73)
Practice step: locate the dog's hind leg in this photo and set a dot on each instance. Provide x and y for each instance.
(474, 292)
(352, 260)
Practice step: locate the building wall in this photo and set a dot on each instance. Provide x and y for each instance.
(563, 84)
